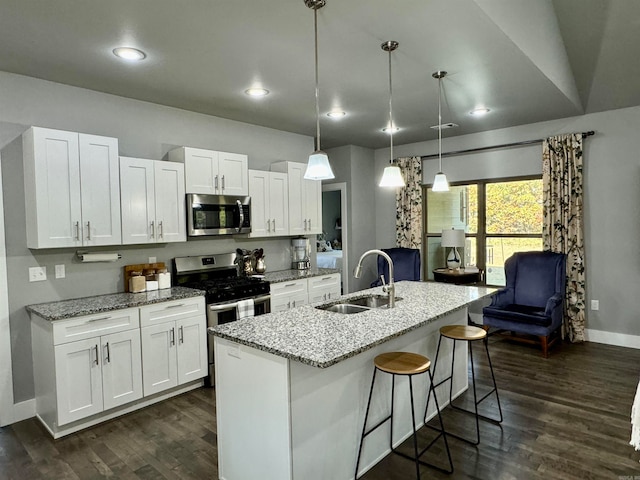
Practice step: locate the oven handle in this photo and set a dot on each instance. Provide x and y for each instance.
(231, 306)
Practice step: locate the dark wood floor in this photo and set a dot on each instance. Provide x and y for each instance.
(567, 417)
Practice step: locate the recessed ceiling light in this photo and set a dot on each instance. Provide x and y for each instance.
(478, 112)
(336, 114)
(389, 130)
(128, 53)
(257, 92)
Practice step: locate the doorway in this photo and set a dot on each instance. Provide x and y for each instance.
(335, 231)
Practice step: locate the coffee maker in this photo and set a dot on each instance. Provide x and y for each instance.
(300, 251)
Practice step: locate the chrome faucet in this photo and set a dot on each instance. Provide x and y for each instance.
(388, 288)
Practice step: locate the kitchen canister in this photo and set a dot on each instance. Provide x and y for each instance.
(137, 283)
(164, 279)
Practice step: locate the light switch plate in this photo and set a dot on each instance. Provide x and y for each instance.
(60, 271)
(595, 304)
(37, 274)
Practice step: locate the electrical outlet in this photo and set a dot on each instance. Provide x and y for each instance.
(60, 273)
(37, 274)
(595, 304)
(152, 259)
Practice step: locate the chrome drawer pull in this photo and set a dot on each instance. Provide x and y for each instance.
(175, 306)
(99, 319)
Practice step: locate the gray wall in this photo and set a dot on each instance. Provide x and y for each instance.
(144, 130)
(612, 196)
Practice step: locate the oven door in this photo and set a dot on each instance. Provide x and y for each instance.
(221, 313)
(218, 215)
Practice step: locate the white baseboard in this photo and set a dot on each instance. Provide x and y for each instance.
(612, 338)
(24, 410)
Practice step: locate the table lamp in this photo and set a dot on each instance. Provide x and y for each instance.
(453, 238)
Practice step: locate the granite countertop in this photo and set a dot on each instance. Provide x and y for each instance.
(104, 303)
(320, 338)
(288, 275)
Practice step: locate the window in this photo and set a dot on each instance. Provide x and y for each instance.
(499, 217)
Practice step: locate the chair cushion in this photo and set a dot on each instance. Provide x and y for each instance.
(524, 314)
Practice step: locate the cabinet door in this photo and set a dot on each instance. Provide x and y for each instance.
(159, 358)
(137, 200)
(280, 303)
(100, 182)
(233, 173)
(201, 171)
(192, 349)
(78, 380)
(259, 191)
(313, 206)
(299, 299)
(324, 288)
(297, 208)
(279, 203)
(170, 202)
(52, 188)
(121, 368)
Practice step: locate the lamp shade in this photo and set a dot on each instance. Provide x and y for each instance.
(318, 167)
(392, 177)
(452, 238)
(440, 183)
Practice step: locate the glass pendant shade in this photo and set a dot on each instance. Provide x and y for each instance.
(440, 183)
(318, 167)
(391, 177)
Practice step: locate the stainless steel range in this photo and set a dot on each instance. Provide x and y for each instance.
(218, 276)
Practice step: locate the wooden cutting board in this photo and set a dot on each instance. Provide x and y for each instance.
(139, 268)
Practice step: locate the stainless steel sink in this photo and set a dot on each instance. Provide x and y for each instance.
(357, 305)
(345, 308)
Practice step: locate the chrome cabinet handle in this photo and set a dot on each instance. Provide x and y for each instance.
(160, 229)
(268, 225)
(77, 225)
(108, 317)
(274, 224)
(309, 224)
(172, 338)
(97, 358)
(88, 230)
(305, 224)
(108, 358)
(289, 304)
(223, 182)
(216, 184)
(294, 304)
(175, 306)
(153, 230)
(181, 334)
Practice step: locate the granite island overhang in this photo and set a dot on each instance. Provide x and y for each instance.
(291, 387)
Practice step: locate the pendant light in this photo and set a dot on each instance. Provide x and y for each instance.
(440, 183)
(318, 167)
(392, 176)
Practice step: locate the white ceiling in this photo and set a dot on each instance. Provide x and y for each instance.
(527, 60)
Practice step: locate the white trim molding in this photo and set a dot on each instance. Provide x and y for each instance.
(7, 410)
(612, 338)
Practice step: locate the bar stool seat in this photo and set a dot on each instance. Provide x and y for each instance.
(409, 364)
(469, 334)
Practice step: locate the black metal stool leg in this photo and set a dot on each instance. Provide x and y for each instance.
(432, 376)
(364, 426)
(413, 426)
(493, 377)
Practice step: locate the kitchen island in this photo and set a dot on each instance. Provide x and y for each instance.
(292, 386)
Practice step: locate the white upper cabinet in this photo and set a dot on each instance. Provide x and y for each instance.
(305, 199)
(213, 173)
(269, 203)
(153, 201)
(72, 189)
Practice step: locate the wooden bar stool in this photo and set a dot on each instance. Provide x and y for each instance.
(409, 364)
(469, 334)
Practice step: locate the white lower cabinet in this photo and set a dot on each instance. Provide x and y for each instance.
(286, 295)
(326, 287)
(174, 344)
(91, 368)
(295, 293)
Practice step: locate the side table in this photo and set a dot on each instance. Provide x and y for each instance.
(459, 277)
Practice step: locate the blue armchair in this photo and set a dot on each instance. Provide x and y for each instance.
(532, 302)
(406, 265)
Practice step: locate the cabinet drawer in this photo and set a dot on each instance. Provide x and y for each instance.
(324, 282)
(170, 311)
(289, 288)
(80, 328)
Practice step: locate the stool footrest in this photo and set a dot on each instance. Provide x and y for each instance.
(376, 426)
(470, 412)
(422, 462)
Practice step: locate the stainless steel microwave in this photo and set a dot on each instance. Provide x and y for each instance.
(218, 215)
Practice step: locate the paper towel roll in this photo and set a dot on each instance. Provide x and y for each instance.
(98, 257)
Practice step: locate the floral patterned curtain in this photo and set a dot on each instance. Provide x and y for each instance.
(409, 204)
(562, 229)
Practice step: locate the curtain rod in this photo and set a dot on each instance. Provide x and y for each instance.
(494, 147)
